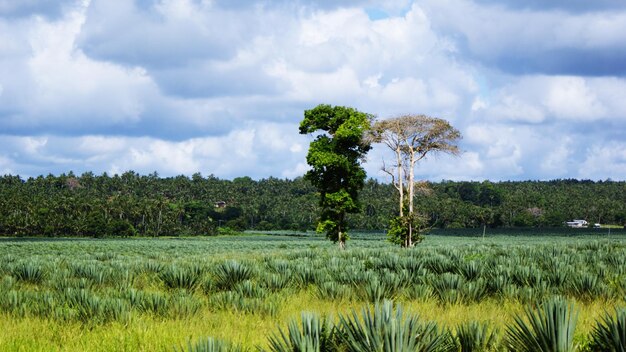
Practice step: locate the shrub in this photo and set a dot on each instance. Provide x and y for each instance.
(122, 228)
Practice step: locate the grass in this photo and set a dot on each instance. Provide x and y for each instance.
(183, 277)
(148, 333)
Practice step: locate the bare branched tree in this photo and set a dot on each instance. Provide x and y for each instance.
(412, 138)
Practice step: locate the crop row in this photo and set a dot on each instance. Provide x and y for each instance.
(111, 285)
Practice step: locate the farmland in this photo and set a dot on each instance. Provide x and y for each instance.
(164, 293)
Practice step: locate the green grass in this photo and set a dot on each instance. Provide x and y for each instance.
(162, 294)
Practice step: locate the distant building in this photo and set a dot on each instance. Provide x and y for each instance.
(220, 204)
(577, 223)
(597, 226)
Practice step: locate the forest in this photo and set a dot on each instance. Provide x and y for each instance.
(131, 204)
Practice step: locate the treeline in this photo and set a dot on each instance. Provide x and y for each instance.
(148, 205)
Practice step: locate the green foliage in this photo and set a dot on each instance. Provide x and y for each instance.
(186, 277)
(609, 334)
(399, 228)
(54, 206)
(334, 157)
(210, 344)
(28, 271)
(228, 274)
(95, 282)
(122, 228)
(548, 328)
(476, 337)
(313, 334)
(385, 328)
(227, 231)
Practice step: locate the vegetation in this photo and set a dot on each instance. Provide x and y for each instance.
(335, 158)
(116, 293)
(610, 332)
(411, 138)
(550, 328)
(89, 205)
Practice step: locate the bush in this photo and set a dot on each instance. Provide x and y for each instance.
(227, 231)
(122, 228)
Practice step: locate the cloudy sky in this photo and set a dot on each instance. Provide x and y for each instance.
(537, 88)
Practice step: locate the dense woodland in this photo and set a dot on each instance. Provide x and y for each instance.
(148, 205)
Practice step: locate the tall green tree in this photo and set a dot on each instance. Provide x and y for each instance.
(335, 157)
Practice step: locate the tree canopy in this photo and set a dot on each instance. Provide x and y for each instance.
(335, 157)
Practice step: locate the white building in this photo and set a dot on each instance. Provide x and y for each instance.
(577, 223)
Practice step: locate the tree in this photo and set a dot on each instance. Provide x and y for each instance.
(411, 138)
(335, 157)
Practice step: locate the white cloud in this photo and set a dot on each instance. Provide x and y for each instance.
(558, 161)
(604, 161)
(548, 41)
(180, 86)
(571, 98)
(534, 99)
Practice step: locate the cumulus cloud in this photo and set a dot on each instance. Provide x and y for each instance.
(562, 5)
(535, 40)
(604, 161)
(257, 150)
(184, 86)
(568, 100)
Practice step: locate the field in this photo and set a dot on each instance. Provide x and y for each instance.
(164, 294)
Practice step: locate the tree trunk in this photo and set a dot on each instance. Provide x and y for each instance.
(484, 230)
(411, 195)
(400, 180)
(342, 241)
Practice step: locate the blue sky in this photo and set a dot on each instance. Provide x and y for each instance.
(537, 88)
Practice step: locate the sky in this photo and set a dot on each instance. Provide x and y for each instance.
(537, 88)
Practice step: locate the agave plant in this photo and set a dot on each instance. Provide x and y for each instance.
(331, 290)
(313, 334)
(184, 305)
(29, 272)
(475, 337)
(187, 277)
(609, 334)
(210, 344)
(230, 273)
(385, 329)
(548, 328)
(274, 282)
